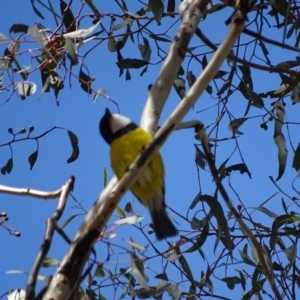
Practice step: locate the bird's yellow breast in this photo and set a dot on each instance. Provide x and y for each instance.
(123, 152)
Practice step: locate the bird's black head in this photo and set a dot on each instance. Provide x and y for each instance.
(105, 127)
(113, 126)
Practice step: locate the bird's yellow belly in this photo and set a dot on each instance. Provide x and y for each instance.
(124, 151)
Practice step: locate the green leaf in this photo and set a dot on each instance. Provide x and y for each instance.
(8, 167)
(49, 262)
(99, 271)
(32, 159)
(75, 148)
(69, 220)
(120, 211)
(278, 222)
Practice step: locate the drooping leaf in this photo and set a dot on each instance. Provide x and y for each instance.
(174, 292)
(85, 81)
(191, 78)
(145, 50)
(8, 167)
(279, 140)
(192, 293)
(157, 8)
(267, 256)
(32, 159)
(296, 160)
(171, 7)
(246, 75)
(137, 266)
(295, 95)
(71, 48)
(36, 11)
(99, 272)
(128, 75)
(200, 158)
(75, 148)
(291, 253)
(68, 17)
(185, 267)
(246, 258)
(179, 85)
(218, 212)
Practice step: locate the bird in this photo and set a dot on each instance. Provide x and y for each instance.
(127, 140)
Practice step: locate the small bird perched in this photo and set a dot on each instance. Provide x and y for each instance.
(126, 141)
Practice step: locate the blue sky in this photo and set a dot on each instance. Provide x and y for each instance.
(78, 113)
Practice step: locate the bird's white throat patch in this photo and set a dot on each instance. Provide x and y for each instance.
(118, 122)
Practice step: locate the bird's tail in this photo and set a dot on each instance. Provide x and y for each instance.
(163, 226)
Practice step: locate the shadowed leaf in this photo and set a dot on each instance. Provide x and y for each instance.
(32, 159)
(75, 148)
(68, 17)
(8, 167)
